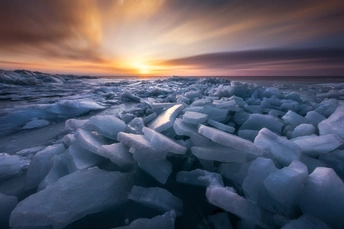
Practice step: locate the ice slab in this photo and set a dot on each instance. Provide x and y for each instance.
(306, 222)
(156, 198)
(199, 177)
(303, 130)
(221, 126)
(78, 158)
(89, 141)
(158, 169)
(283, 150)
(118, 153)
(314, 146)
(257, 172)
(165, 221)
(240, 117)
(140, 143)
(182, 128)
(232, 202)
(333, 124)
(323, 197)
(72, 197)
(284, 186)
(7, 204)
(214, 113)
(230, 140)
(248, 134)
(162, 142)
(39, 164)
(314, 117)
(69, 139)
(106, 125)
(294, 119)
(327, 107)
(235, 172)
(37, 123)
(334, 160)
(259, 121)
(135, 126)
(166, 119)
(73, 124)
(194, 117)
(11, 165)
(129, 97)
(72, 108)
(219, 153)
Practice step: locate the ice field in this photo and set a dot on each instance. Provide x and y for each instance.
(87, 152)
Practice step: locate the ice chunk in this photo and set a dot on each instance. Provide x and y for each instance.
(230, 140)
(106, 125)
(158, 169)
(271, 91)
(78, 158)
(39, 164)
(323, 197)
(219, 153)
(58, 169)
(294, 119)
(334, 160)
(140, 143)
(257, 172)
(285, 184)
(69, 139)
(215, 113)
(11, 165)
(72, 108)
(259, 121)
(37, 123)
(149, 118)
(165, 221)
(235, 172)
(194, 117)
(248, 134)
(118, 153)
(306, 222)
(156, 198)
(327, 107)
(135, 126)
(7, 204)
(72, 197)
(182, 128)
(166, 119)
(313, 146)
(73, 124)
(314, 117)
(221, 126)
(334, 124)
(89, 141)
(162, 142)
(240, 117)
(283, 150)
(199, 177)
(232, 202)
(303, 130)
(129, 97)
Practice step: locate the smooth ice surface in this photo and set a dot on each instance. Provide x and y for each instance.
(182, 128)
(314, 146)
(232, 202)
(165, 120)
(199, 177)
(158, 169)
(303, 130)
(38, 166)
(72, 197)
(89, 141)
(259, 121)
(230, 140)
(294, 119)
(165, 221)
(140, 143)
(257, 172)
(106, 125)
(323, 197)
(314, 117)
(306, 222)
(283, 150)
(156, 198)
(162, 142)
(118, 153)
(221, 126)
(333, 124)
(11, 165)
(219, 153)
(36, 124)
(194, 117)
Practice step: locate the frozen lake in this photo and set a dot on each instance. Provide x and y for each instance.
(178, 152)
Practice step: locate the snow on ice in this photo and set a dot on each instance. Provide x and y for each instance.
(169, 153)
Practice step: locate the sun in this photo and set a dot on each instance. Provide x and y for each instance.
(144, 70)
(141, 68)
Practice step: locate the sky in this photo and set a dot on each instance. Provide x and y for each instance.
(173, 37)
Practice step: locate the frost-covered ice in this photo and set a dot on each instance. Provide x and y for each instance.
(175, 147)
